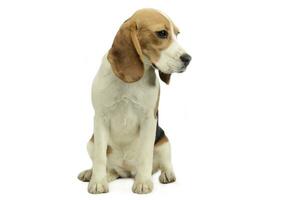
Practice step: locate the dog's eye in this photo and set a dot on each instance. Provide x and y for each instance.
(162, 34)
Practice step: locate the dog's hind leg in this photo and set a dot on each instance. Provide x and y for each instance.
(162, 159)
(86, 175)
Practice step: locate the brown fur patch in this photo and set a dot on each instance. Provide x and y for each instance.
(150, 44)
(124, 55)
(92, 139)
(108, 150)
(150, 21)
(163, 140)
(137, 38)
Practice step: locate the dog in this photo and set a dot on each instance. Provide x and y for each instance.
(127, 140)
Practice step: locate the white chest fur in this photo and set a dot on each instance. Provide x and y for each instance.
(124, 105)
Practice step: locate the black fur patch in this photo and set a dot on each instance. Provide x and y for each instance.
(160, 133)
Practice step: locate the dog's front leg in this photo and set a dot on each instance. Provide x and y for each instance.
(98, 183)
(143, 181)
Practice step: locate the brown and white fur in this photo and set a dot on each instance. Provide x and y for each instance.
(127, 141)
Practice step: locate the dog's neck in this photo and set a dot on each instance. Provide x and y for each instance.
(149, 72)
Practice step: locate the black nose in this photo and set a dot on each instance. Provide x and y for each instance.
(185, 58)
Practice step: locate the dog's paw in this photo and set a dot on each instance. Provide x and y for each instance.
(167, 177)
(142, 187)
(85, 175)
(97, 187)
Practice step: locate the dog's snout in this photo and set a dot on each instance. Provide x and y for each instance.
(185, 58)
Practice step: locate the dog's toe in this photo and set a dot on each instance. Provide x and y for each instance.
(85, 175)
(96, 187)
(167, 177)
(142, 187)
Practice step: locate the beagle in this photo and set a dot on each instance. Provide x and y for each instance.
(127, 140)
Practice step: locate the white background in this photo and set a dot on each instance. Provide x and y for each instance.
(233, 118)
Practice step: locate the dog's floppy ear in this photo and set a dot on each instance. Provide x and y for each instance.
(125, 55)
(165, 77)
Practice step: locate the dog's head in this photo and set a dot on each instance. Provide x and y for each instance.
(147, 36)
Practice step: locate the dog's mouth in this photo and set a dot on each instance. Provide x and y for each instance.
(178, 71)
(181, 70)
(155, 67)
